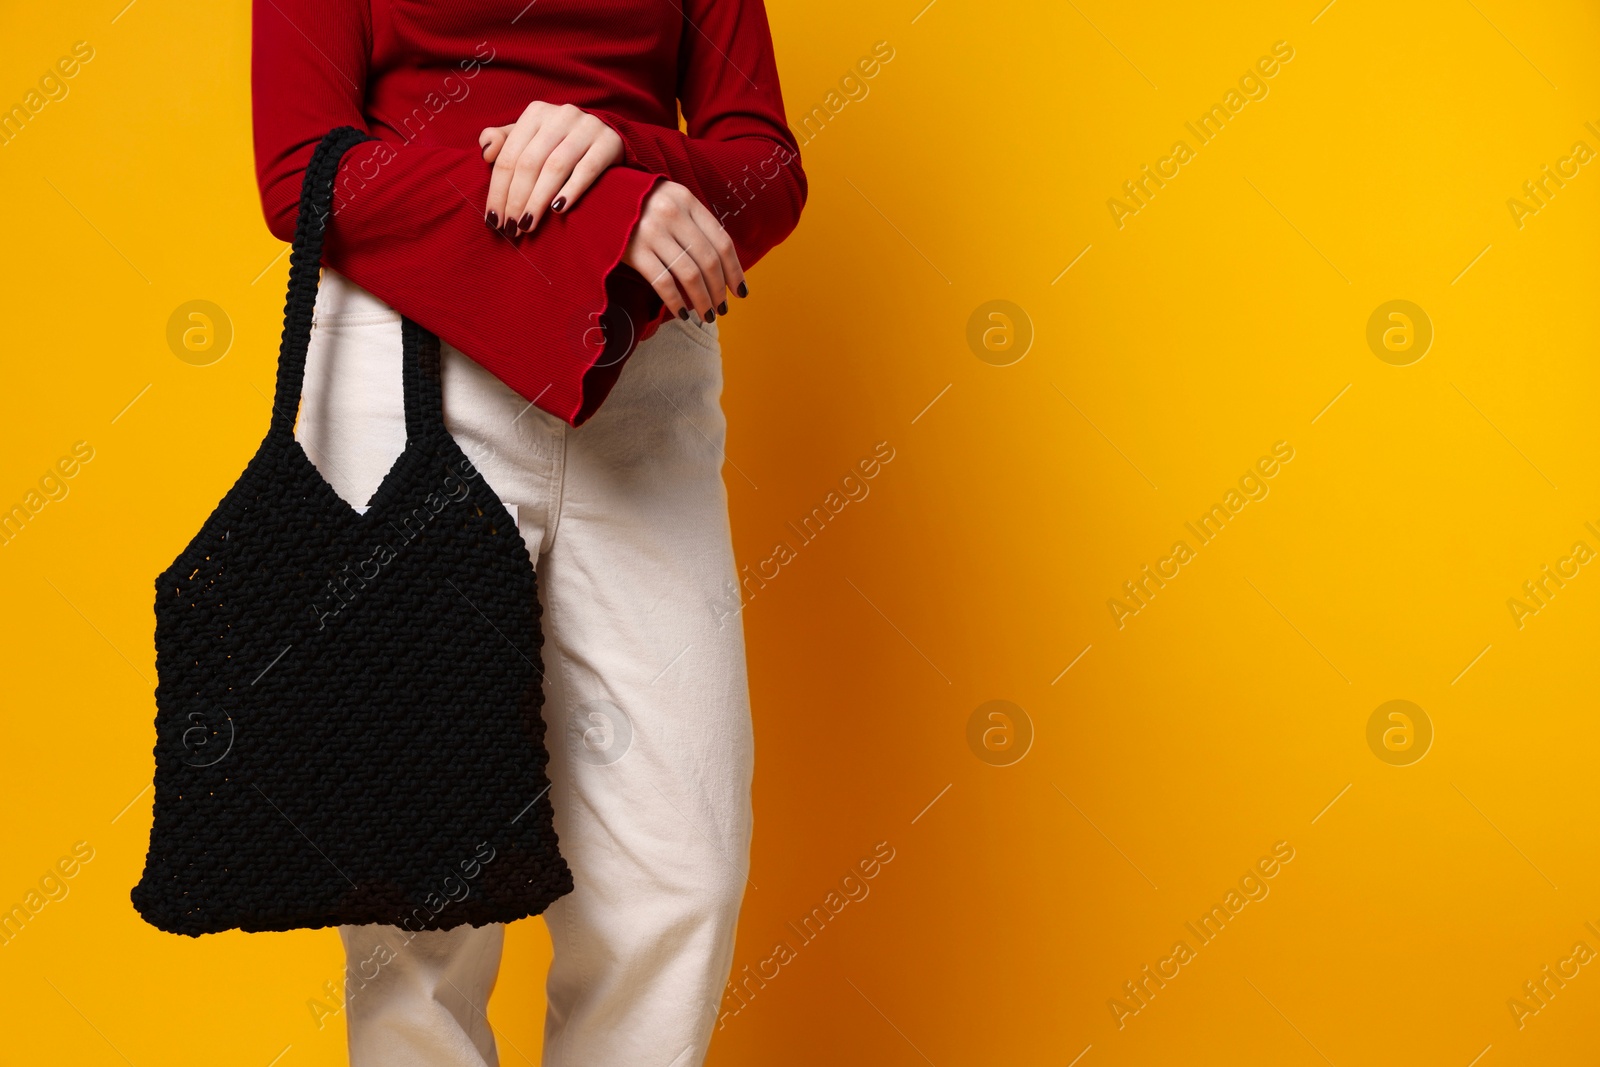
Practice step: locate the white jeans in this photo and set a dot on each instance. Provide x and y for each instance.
(647, 704)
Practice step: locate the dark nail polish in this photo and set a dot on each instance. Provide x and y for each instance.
(722, 308)
(743, 290)
(492, 220)
(683, 313)
(710, 315)
(527, 220)
(558, 203)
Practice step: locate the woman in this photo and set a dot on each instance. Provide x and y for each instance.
(530, 198)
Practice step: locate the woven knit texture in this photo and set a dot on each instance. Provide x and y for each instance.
(348, 712)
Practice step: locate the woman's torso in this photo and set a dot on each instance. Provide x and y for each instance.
(440, 72)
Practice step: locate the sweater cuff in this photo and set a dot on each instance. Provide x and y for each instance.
(619, 126)
(630, 312)
(536, 312)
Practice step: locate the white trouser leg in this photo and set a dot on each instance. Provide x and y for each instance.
(647, 702)
(651, 747)
(420, 999)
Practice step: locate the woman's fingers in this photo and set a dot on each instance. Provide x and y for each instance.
(491, 140)
(675, 238)
(545, 160)
(722, 245)
(707, 268)
(648, 264)
(544, 164)
(590, 167)
(686, 270)
(684, 253)
(588, 147)
(520, 134)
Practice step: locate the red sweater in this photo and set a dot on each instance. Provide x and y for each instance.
(544, 313)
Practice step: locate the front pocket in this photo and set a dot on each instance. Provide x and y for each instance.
(704, 336)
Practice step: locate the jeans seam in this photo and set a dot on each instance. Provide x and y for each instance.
(559, 497)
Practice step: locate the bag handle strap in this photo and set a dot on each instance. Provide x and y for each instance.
(423, 401)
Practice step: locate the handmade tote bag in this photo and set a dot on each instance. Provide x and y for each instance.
(348, 708)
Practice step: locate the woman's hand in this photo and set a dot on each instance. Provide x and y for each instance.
(547, 158)
(684, 253)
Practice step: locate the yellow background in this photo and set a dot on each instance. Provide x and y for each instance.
(1227, 715)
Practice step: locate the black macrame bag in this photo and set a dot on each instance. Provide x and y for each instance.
(348, 723)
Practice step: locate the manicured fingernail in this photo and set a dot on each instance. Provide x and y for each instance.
(710, 315)
(722, 308)
(492, 220)
(743, 290)
(683, 313)
(558, 203)
(527, 220)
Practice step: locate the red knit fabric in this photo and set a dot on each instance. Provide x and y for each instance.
(426, 76)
